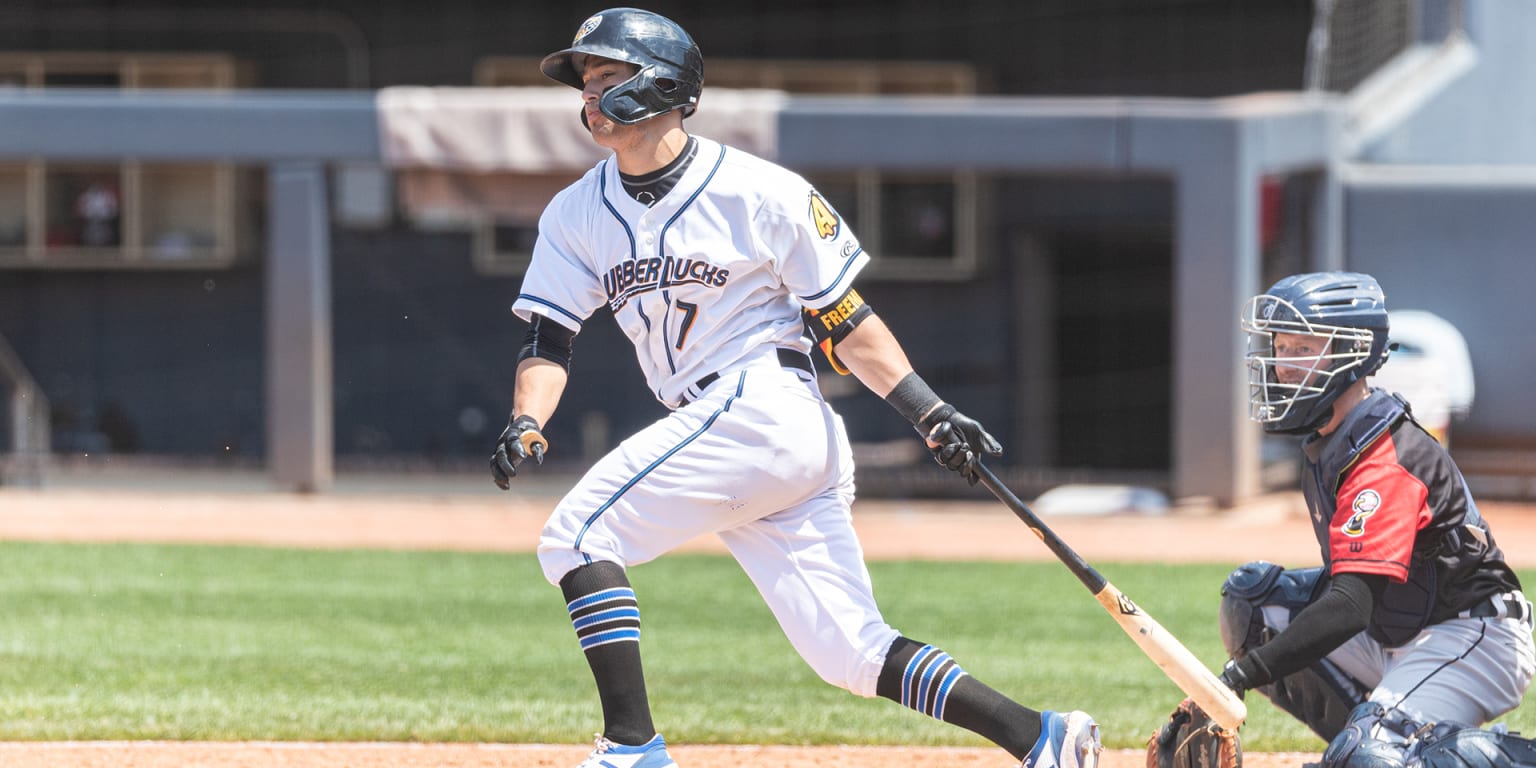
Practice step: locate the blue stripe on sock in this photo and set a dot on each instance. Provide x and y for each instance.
(630, 634)
(604, 616)
(934, 674)
(906, 674)
(917, 670)
(950, 678)
(921, 702)
(598, 597)
(613, 606)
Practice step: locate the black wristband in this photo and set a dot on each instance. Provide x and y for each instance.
(926, 424)
(915, 400)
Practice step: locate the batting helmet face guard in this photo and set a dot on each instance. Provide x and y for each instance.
(1310, 337)
(671, 72)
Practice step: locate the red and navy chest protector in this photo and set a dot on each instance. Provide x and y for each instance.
(1386, 498)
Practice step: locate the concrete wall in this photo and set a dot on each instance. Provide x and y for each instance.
(1440, 210)
(1459, 243)
(1486, 115)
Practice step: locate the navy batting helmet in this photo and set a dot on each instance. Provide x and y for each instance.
(1346, 311)
(671, 72)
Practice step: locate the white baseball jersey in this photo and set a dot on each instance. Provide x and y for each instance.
(710, 277)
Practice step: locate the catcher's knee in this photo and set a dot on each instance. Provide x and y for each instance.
(1369, 740)
(1451, 746)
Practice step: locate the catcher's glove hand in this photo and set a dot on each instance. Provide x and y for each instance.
(1191, 739)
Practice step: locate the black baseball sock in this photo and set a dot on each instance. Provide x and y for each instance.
(928, 680)
(607, 620)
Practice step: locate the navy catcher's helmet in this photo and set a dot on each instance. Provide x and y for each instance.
(1348, 311)
(671, 72)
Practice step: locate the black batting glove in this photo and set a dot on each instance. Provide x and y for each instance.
(520, 440)
(957, 441)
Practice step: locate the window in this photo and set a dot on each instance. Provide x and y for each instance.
(122, 214)
(915, 226)
(15, 206)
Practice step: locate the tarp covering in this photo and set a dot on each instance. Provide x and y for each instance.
(459, 153)
(538, 130)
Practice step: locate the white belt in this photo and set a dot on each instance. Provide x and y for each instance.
(1510, 605)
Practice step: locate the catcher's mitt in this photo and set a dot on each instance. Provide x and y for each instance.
(1191, 739)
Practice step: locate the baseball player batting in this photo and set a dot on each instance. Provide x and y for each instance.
(714, 263)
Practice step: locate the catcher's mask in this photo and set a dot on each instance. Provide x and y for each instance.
(671, 69)
(1340, 317)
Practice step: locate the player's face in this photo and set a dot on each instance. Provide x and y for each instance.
(1297, 356)
(600, 74)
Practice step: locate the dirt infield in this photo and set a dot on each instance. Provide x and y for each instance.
(154, 754)
(1273, 528)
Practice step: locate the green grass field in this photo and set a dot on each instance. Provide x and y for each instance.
(236, 643)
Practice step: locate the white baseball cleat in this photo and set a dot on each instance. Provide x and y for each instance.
(1066, 741)
(652, 754)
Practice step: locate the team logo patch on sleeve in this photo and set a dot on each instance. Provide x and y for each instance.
(823, 219)
(1365, 504)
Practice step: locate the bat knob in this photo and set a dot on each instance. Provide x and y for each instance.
(534, 444)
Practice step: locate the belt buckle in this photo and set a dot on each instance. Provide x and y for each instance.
(1511, 605)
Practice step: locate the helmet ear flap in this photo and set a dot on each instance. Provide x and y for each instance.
(643, 96)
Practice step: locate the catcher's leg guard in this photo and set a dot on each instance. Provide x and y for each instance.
(1357, 745)
(1322, 695)
(1451, 746)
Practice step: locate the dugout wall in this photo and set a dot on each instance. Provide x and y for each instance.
(329, 350)
(1214, 152)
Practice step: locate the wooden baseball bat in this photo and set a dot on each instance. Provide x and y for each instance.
(1181, 666)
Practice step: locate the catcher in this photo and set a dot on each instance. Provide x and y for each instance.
(1414, 632)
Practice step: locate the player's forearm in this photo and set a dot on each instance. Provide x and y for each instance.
(540, 383)
(872, 353)
(1341, 613)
